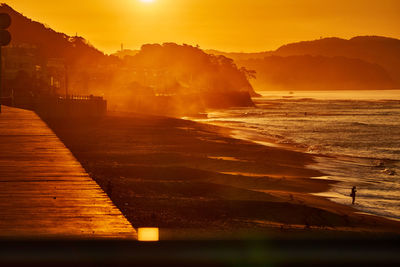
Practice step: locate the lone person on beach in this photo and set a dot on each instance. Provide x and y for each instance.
(353, 194)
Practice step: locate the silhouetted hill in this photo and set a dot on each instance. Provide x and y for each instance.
(51, 44)
(305, 72)
(187, 76)
(364, 62)
(373, 49)
(191, 67)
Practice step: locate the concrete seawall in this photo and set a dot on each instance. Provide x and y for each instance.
(61, 107)
(71, 108)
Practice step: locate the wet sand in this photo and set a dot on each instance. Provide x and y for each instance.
(193, 179)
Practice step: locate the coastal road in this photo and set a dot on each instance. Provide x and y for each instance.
(44, 191)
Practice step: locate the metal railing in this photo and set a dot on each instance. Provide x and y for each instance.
(81, 97)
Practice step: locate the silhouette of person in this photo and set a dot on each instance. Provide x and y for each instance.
(353, 194)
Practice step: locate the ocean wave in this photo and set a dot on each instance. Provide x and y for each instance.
(358, 140)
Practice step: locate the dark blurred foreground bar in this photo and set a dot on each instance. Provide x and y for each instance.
(274, 252)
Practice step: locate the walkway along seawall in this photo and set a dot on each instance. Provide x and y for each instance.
(44, 191)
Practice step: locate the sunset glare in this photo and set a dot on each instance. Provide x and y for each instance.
(229, 25)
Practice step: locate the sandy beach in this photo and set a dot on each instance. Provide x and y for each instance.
(187, 177)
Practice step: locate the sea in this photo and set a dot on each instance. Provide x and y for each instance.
(354, 135)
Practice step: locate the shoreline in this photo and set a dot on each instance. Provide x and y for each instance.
(337, 193)
(181, 175)
(328, 194)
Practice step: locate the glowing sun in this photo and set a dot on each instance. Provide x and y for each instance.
(147, 1)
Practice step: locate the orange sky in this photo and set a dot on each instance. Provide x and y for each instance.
(230, 25)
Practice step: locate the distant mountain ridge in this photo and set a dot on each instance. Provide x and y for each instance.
(291, 67)
(240, 55)
(373, 49)
(305, 72)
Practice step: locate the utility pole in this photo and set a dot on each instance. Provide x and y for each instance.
(5, 39)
